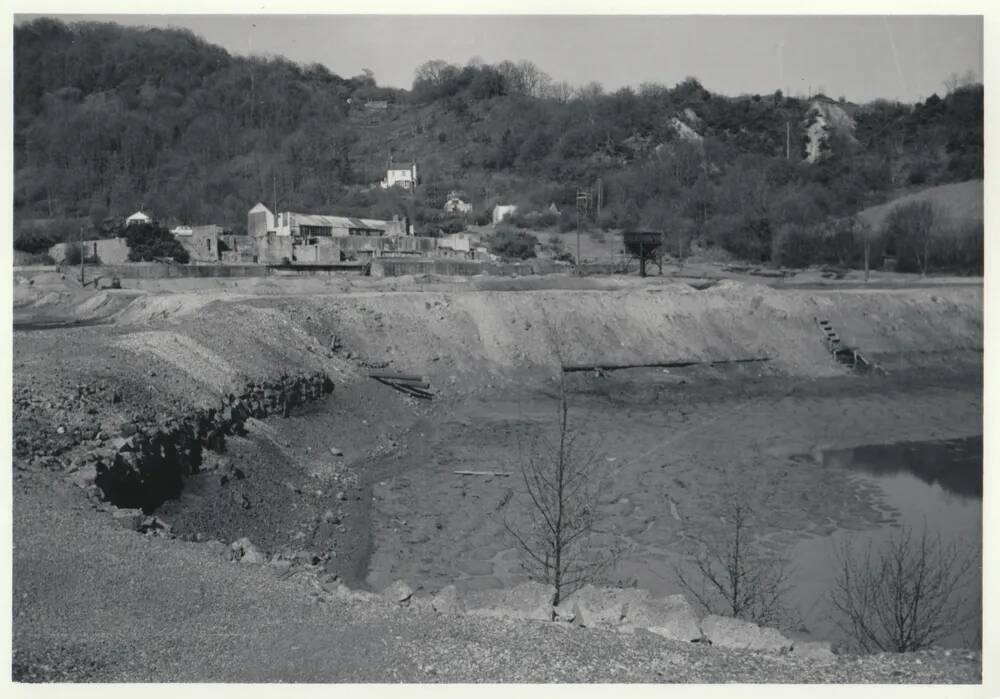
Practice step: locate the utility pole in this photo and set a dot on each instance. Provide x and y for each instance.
(866, 255)
(82, 255)
(582, 203)
(274, 191)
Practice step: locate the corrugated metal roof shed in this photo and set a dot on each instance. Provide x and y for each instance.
(322, 221)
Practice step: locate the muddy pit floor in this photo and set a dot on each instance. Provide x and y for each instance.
(668, 454)
(670, 446)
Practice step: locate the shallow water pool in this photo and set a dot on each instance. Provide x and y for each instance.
(934, 484)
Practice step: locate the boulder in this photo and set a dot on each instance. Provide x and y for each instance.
(399, 592)
(245, 552)
(448, 601)
(565, 613)
(671, 617)
(530, 600)
(218, 549)
(122, 443)
(85, 476)
(281, 565)
(602, 606)
(253, 556)
(422, 604)
(727, 632)
(814, 650)
(129, 518)
(154, 525)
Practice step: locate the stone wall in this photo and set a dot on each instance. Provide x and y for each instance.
(272, 248)
(395, 267)
(203, 243)
(158, 270)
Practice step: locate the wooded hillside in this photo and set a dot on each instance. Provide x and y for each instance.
(108, 119)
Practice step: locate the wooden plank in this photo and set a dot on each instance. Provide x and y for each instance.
(407, 389)
(395, 377)
(606, 366)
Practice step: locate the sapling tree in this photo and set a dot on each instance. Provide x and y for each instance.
(560, 478)
(733, 575)
(909, 593)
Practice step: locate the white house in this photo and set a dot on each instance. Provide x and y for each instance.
(501, 210)
(401, 174)
(182, 230)
(455, 205)
(459, 242)
(137, 218)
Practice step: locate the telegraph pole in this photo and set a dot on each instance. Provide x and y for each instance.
(867, 246)
(82, 255)
(582, 203)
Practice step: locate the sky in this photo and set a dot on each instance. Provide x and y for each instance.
(906, 58)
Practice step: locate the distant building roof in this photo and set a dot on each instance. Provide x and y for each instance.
(138, 216)
(182, 230)
(322, 221)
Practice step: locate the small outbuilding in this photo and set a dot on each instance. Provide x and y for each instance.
(138, 218)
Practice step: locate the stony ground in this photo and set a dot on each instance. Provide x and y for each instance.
(93, 602)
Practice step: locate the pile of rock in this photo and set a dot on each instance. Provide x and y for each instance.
(148, 463)
(622, 610)
(48, 424)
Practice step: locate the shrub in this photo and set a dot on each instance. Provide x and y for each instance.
(74, 253)
(904, 596)
(908, 231)
(512, 244)
(147, 242)
(749, 240)
(33, 242)
(567, 222)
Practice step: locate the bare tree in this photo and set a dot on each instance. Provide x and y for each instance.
(734, 578)
(560, 478)
(560, 91)
(914, 226)
(907, 595)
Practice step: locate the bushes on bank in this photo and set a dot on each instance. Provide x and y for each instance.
(512, 244)
(147, 242)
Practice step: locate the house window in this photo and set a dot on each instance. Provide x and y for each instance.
(208, 244)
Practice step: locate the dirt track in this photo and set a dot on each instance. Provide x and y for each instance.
(491, 356)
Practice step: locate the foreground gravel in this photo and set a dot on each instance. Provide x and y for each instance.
(95, 602)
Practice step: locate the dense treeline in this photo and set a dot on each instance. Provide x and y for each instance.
(108, 119)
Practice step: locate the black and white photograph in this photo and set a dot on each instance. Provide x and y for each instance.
(417, 347)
